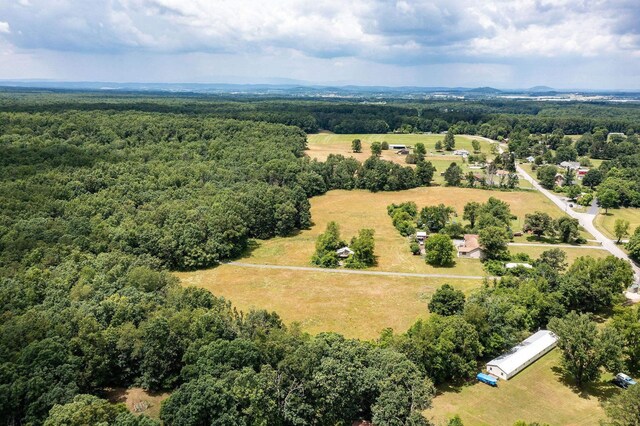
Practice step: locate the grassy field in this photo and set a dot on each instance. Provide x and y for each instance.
(323, 144)
(539, 394)
(605, 222)
(353, 210)
(572, 253)
(358, 306)
(324, 301)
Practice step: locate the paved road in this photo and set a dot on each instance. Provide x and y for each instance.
(353, 271)
(585, 219)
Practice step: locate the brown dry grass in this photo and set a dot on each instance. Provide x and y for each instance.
(132, 396)
(357, 306)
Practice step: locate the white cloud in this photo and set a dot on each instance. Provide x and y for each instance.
(402, 37)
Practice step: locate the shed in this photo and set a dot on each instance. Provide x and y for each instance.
(396, 146)
(344, 252)
(421, 236)
(512, 265)
(522, 355)
(462, 152)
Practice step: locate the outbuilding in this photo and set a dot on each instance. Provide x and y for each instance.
(521, 356)
(421, 236)
(397, 146)
(344, 252)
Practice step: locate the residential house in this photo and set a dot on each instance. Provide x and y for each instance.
(470, 247)
(462, 152)
(570, 165)
(559, 179)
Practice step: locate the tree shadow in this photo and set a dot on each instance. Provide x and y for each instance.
(542, 239)
(601, 390)
(252, 245)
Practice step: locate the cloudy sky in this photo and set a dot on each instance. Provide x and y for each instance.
(500, 43)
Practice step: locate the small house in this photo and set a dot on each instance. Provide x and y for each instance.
(421, 236)
(531, 159)
(559, 180)
(396, 146)
(570, 165)
(470, 247)
(582, 171)
(522, 355)
(344, 252)
(462, 152)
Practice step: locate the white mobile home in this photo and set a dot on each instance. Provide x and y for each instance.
(522, 355)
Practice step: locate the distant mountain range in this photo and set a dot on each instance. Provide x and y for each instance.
(301, 89)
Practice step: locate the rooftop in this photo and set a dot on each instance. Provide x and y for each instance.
(524, 351)
(470, 243)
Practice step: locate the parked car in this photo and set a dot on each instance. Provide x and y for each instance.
(623, 381)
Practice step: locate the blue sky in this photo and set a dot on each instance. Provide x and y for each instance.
(501, 43)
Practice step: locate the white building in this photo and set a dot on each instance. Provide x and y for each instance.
(397, 146)
(421, 236)
(462, 152)
(512, 265)
(521, 356)
(344, 252)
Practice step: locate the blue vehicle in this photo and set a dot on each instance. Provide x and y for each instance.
(487, 379)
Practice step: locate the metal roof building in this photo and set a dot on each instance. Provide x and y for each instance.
(522, 355)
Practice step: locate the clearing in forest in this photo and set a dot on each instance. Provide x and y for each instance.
(537, 394)
(359, 305)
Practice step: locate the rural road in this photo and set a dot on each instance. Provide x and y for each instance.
(585, 220)
(352, 271)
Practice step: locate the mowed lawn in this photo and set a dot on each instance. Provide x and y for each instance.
(357, 306)
(357, 209)
(537, 394)
(606, 222)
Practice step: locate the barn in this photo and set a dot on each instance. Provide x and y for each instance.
(522, 355)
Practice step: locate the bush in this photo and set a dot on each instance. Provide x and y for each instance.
(385, 145)
(495, 268)
(415, 248)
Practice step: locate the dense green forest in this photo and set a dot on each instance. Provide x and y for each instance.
(102, 197)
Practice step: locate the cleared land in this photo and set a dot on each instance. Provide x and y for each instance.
(138, 400)
(323, 144)
(539, 394)
(354, 210)
(357, 305)
(354, 305)
(605, 222)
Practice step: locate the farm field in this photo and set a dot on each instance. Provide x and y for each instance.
(537, 394)
(357, 306)
(323, 144)
(605, 222)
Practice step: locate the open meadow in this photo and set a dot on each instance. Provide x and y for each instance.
(325, 301)
(539, 393)
(320, 145)
(357, 306)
